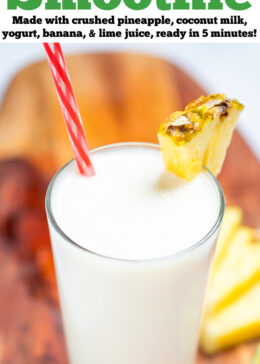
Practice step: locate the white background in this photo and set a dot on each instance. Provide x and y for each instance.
(230, 68)
(251, 16)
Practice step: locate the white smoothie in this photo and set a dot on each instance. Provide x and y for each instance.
(128, 297)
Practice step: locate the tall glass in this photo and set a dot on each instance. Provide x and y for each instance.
(119, 311)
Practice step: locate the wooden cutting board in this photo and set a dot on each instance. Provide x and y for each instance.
(122, 97)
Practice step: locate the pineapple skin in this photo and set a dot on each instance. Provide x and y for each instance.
(203, 143)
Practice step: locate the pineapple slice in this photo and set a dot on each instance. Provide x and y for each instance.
(238, 270)
(199, 135)
(232, 219)
(236, 323)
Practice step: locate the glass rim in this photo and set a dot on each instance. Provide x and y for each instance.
(182, 252)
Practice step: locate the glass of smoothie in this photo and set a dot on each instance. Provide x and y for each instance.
(132, 247)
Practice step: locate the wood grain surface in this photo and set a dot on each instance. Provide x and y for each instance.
(122, 98)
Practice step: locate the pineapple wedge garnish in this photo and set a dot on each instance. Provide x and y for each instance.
(199, 135)
(238, 270)
(236, 323)
(232, 220)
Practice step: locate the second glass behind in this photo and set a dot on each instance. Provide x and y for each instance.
(132, 249)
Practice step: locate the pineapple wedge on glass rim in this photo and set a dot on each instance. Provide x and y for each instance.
(199, 135)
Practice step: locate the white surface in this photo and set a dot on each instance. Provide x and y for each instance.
(115, 213)
(229, 68)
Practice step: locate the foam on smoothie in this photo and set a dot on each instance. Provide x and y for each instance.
(132, 208)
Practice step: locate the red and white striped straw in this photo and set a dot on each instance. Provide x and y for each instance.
(69, 108)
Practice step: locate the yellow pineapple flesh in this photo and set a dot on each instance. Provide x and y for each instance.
(199, 135)
(232, 220)
(232, 313)
(239, 269)
(236, 323)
